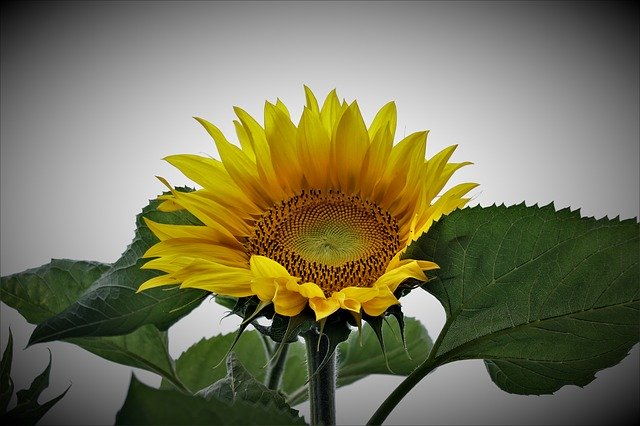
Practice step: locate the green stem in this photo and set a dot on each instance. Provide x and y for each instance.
(322, 382)
(398, 393)
(429, 364)
(268, 346)
(274, 374)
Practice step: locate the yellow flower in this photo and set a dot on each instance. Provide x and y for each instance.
(314, 215)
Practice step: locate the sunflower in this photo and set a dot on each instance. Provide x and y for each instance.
(316, 215)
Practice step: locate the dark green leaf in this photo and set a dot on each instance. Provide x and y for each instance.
(28, 411)
(203, 363)
(356, 361)
(148, 406)
(144, 348)
(6, 384)
(40, 383)
(42, 292)
(111, 306)
(239, 384)
(546, 298)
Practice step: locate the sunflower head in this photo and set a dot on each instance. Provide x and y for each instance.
(309, 218)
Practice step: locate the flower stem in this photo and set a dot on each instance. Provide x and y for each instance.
(274, 373)
(322, 382)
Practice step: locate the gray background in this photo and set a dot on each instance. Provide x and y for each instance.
(542, 97)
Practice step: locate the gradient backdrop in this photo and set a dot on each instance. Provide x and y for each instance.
(542, 97)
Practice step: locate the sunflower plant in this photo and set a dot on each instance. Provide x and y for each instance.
(312, 234)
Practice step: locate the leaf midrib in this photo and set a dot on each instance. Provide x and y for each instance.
(450, 354)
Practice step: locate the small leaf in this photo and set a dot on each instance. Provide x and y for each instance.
(111, 306)
(28, 411)
(148, 406)
(202, 364)
(545, 297)
(6, 384)
(239, 384)
(40, 383)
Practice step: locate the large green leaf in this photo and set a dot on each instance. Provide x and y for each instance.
(546, 298)
(111, 306)
(148, 406)
(40, 293)
(144, 348)
(362, 355)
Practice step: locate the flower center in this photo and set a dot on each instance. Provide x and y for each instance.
(330, 238)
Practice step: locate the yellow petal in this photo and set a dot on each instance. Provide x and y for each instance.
(239, 166)
(323, 307)
(287, 302)
(245, 141)
(281, 136)
(330, 112)
(169, 205)
(435, 166)
(201, 211)
(216, 278)
(158, 281)
(376, 158)
(167, 231)
(402, 171)
(386, 117)
(351, 143)
(198, 248)
(308, 290)
(392, 278)
(264, 288)
(361, 294)
(264, 165)
(312, 102)
(314, 150)
(449, 201)
(379, 304)
(264, 267)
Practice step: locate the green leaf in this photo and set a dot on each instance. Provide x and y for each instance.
(28, 411)
(6, 384)
(42, 292)
(144, 348)
(356, 361)
(203, 363)
(239, 384)
(111, 305)
(148, 406)
(546, 298)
